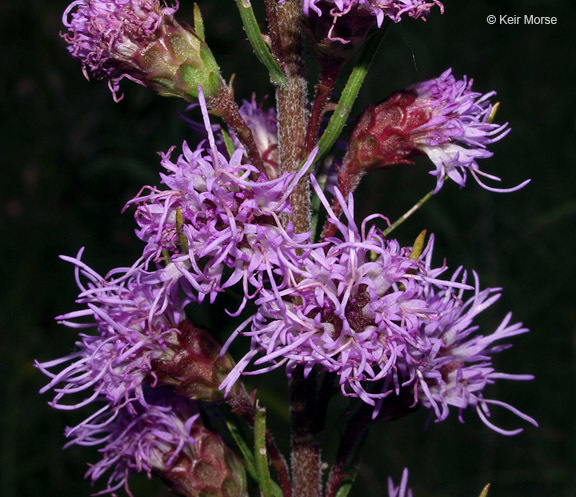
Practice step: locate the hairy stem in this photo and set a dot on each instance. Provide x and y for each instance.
(306, 473)
(291, 100)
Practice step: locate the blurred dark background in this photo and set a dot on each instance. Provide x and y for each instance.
(71, 158)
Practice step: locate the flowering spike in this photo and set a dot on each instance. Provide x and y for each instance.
(166, 438)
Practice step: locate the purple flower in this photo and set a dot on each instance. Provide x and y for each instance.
(458, 129)
(136, 316)
(140, 40)
(353, 308)
(106, 36)
(402, 490)
(380, 318)
(218, 220)
(441, 118)
(264, 126)
(453, 363)
(151, 439)
(349, 16)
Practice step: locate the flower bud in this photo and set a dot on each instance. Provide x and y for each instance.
(193, 365)
(214, 470)
(140, 40)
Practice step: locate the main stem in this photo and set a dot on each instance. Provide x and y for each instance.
(291, 101)
(306, 473)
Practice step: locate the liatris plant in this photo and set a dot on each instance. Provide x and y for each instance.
(263, 209)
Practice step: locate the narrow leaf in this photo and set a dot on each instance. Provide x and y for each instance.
(247, 455)
(268, 488)
(349, 94)
(484, 492)
(258, 44)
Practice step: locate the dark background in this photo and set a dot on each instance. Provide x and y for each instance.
(71, 158)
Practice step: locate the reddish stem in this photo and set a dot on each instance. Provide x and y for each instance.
(329, 74)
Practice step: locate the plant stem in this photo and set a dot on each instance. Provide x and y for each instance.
(349, 94)
(306, 473)
(291, 100)
(329, 74)
(273, 32)
(223, 104)
(347, 458)
(408, 213)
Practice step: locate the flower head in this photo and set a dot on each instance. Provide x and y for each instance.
(441, 118)
(218, 219)
(264, 126)
(350, 20)
(453, 363)
(139, 40)
(355, 305)
(165, 437)
(136, 316)
(152, 438)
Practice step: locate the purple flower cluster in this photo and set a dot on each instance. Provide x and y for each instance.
(145, 439)
(457, 130)
(380, 318)
(104, 35)
(357, 11)
(218, 220)
(135, 315)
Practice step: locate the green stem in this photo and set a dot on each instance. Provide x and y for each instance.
(408, 213)
(258, 44)
(349, 94)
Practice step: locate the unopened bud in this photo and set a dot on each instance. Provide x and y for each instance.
(212, 470)
(192, 364)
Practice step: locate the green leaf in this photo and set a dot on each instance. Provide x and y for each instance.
(268, 487)
(348, 96)
(228, 142)
(257, 41)
(346, 484)
(247, 455)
